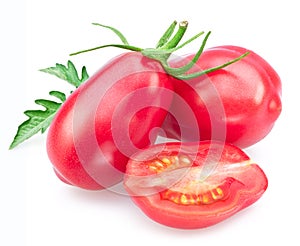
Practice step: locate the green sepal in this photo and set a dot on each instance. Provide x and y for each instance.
(116, 31)
(212, 69)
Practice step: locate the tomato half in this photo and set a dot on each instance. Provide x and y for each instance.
(238, 104)
(193, 185)
(107, 119)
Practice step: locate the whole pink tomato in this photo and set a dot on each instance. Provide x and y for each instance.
(107, 119)
(238, 104)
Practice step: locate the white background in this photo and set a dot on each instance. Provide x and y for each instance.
(38, 209)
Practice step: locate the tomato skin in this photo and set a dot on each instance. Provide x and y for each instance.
(238, 104)
(107, 119)
(249, 185)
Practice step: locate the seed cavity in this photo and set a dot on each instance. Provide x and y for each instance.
(210, 196)
(190, 190)
(169, 162)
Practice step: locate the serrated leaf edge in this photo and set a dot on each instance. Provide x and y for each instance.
(41, 127)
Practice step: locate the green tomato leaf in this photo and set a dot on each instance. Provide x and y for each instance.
(68, 73)
(39, 120)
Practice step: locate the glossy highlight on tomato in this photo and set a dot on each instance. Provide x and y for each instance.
(107, 119)
(238, 104)
(193, 185)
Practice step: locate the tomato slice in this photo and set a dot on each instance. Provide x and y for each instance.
(193, 185)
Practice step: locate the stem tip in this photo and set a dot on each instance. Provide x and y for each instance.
(183, 23)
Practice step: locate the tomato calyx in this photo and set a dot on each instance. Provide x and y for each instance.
(165, 47)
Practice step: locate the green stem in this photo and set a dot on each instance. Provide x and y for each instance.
(177, 37)
(186, 42)
(163, 53)
(166, 36)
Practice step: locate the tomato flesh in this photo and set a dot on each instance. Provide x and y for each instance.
(185, 189)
